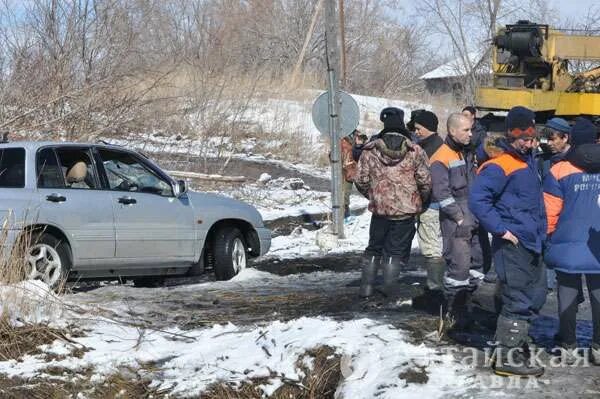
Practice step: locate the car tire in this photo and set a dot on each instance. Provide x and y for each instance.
(230, 252)
(48, 259)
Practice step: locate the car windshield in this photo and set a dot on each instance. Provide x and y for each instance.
(12, 168)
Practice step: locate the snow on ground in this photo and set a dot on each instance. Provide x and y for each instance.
(277, 200)
(189, 361)
(30, 302)
(305, 243)
(271, 115)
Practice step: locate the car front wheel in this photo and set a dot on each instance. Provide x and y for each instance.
(230, 253)
(48, 260)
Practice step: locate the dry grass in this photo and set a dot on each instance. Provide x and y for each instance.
(16, 342)
(13, 267)
(126, 384)
(319, 383)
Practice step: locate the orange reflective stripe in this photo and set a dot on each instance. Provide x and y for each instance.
(562, 169)
(554, 206)
(445, 155)
(506, 162)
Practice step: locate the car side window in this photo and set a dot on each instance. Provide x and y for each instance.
(77, 168)
(12, 168)
(127, 173)
(49, 173)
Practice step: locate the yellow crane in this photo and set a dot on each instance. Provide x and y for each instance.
(531, 68)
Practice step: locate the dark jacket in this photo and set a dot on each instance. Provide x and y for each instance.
(357, 149)
(452, 172)
(545, 161)
(393, 173)
(572, 198)
(479, 134)
(431, 144)
(507, 195)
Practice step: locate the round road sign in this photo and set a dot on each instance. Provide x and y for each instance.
(348, 113)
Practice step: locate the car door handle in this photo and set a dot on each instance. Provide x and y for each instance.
(54, 197)
(127, 200)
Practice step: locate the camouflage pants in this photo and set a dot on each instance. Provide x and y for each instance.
(429, 234)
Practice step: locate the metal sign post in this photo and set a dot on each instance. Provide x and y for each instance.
(333, 62)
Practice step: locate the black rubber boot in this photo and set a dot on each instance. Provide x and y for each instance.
(369, 273)
(391, 266)
(435, 273)
(511, 359)
(457, 311)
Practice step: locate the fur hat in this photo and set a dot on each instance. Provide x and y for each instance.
(393, 119)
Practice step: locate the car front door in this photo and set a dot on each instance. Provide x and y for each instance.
(152, 225)
(72, 199)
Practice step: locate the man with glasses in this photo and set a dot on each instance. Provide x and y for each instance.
(506, 198)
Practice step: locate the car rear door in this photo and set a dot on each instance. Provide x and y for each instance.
(152, 225)
(79, 207)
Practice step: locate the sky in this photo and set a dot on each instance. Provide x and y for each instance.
(568, 13)
(569, 8)
(574, 9)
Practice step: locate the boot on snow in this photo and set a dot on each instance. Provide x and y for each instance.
(391, 266)
(369, 273)
(510, 358)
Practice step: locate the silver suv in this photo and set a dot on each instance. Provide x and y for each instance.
(102, 211)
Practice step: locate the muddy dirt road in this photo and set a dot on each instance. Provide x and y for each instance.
(327, 286)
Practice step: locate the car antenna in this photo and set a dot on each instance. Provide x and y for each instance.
(103, 142)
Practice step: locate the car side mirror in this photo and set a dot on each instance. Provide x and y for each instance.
(180, 188)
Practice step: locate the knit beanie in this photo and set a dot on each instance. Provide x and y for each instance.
(520, 123)
(428, 120)
(411, 123)
(583, 132)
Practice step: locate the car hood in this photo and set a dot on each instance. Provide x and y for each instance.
(229, 207)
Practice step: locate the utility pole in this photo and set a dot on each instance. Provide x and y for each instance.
(311, 28)
(343, 41)
(333, 64)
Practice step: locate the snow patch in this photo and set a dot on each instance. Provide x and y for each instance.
(189, 361)
(30, 302)
(313, 243)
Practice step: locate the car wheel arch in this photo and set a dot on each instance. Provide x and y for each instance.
(247, 229)
(46, 228)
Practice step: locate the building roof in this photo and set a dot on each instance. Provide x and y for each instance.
(452, 69)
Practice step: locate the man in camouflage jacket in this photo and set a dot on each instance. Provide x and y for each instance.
(393, 173)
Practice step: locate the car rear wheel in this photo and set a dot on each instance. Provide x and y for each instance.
(230, 252)
(49, 260)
